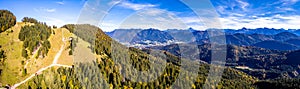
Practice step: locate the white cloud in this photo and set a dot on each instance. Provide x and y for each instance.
(285, 9)
(290, 22)
(49, 10)
(164, 19)
(135, 6)
(108, 26)
(55, 21)
(150, 18)
(188, 20)
(144, 18)
(60, 3)
(244, 15)
(243, 4)
(294, 0)
(288, 2)
(221, 9)
(225, 7)
(152, 12)
(113, 2)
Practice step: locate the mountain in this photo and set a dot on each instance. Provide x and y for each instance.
(246, 37)
(123, 35)
(253, 57)
(241, 37)
(152, 35)
(200, 35)
(297, 32)
(293, 58)
(264, 31)
(282, 83)
(141, 37)
(260, 40)
(259, 62)
(250, 39)
(182, 35)
(294, 41)
(276, 45)
(284, 36)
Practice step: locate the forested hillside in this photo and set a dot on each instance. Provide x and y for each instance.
(35, 38)
(106, 72)
(7, 20)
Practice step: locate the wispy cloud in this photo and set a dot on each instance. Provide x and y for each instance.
(148, 18)
(294, 1)
(243, 4)
(277, 21)
(189, 20)
(221, 9)
(235, 7)
(289, 2)
(113, 2)
(49, 10)
(58, 21)
(135, 6)
(152, 12)
(60, 3)
(285, 9)
(233, 14)
(54, 21)
(256, 14)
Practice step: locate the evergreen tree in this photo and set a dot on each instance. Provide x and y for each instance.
(7, 20)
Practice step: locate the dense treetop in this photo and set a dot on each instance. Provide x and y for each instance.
(29, 19)
(35, 37)
(7, 20)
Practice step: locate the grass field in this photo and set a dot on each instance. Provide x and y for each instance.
(12, 47)
(65, 58)
(13, 68)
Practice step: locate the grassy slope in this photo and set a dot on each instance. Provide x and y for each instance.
(65, 58)
(12, 72)
(12, 47)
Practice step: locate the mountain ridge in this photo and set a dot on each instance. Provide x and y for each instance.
(201, 37)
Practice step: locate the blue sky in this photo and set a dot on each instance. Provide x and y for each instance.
(53, 12)
(161, 14)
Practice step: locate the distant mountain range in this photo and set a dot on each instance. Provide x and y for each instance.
(265, 31)
(261, 37)
(263, 52)
(259, 62)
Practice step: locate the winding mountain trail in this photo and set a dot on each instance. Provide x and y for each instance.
(32, 57)
(54, 63)
(59, 52)
(38, 72)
